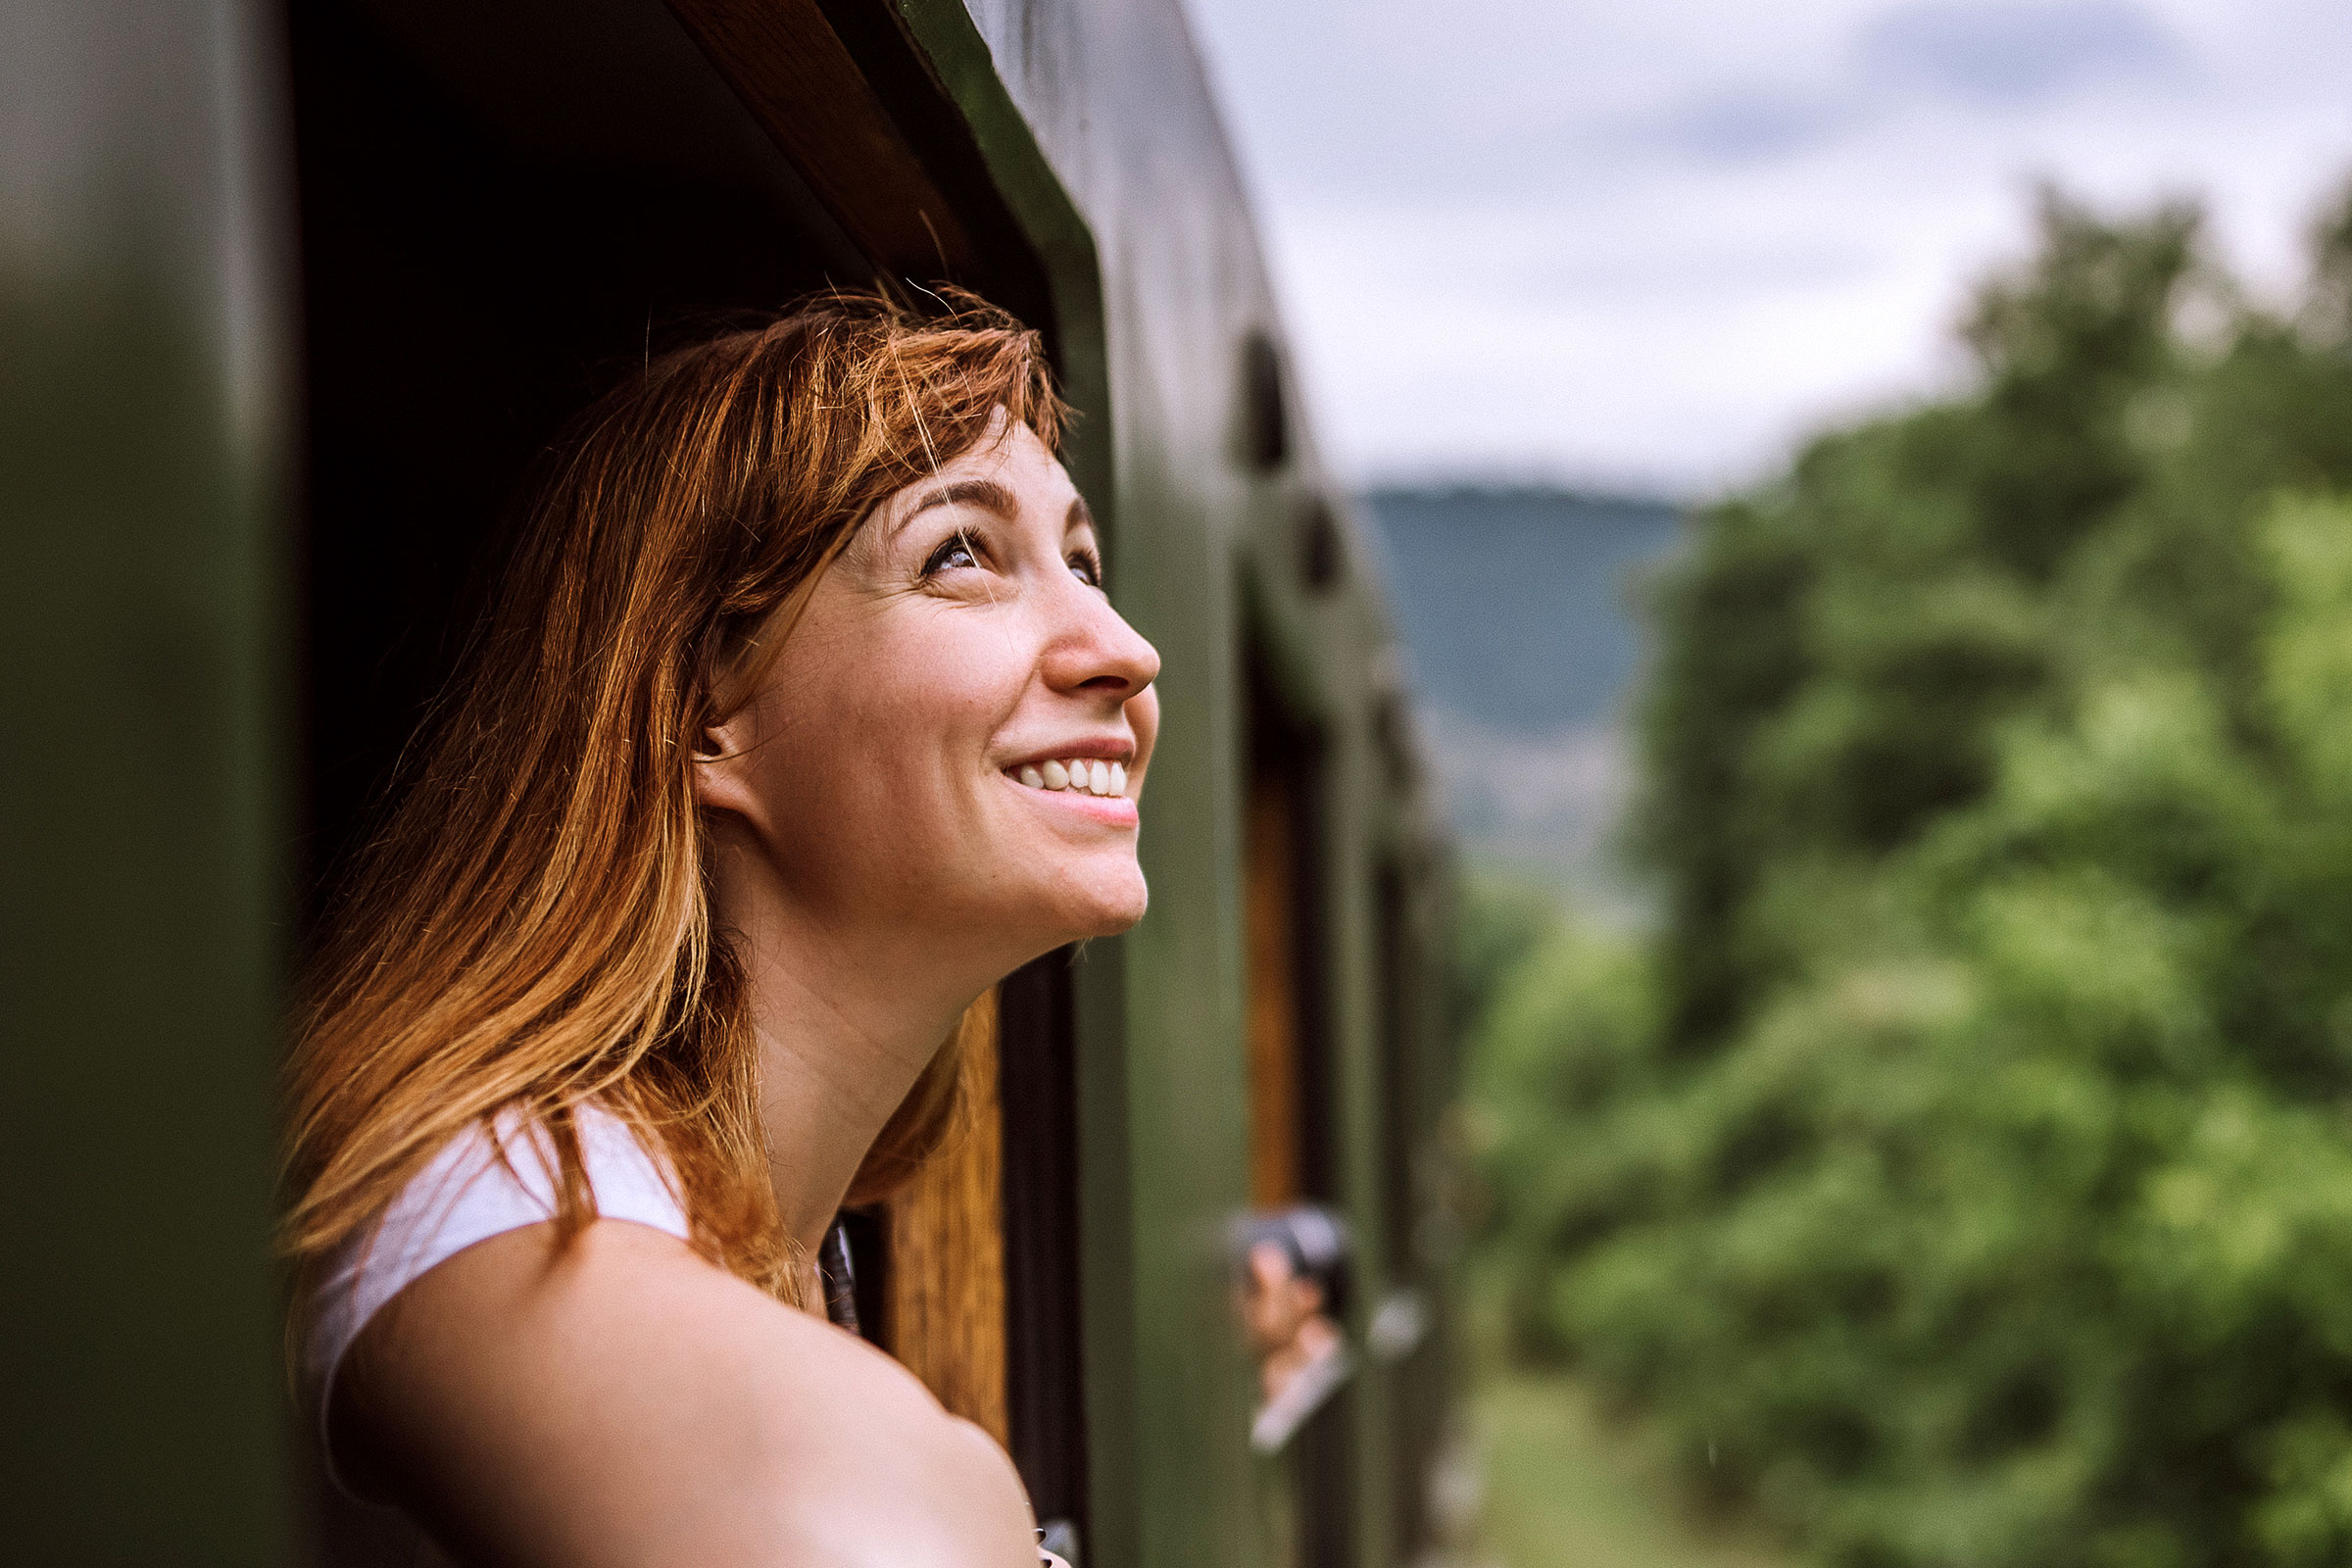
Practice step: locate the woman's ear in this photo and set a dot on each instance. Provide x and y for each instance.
(722, 768)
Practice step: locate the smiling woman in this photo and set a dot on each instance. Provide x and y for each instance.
(741, 803)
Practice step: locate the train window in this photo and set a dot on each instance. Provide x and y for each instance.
(1321, 544)
(1293, 1147)
(501, 206)
(1288, 1124)
(1264, 407)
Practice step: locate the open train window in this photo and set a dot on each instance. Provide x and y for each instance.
(1289, 1117)
(491, 231)
(1294, 1115)
(501, 206)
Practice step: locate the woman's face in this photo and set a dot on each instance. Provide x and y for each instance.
(954, 734)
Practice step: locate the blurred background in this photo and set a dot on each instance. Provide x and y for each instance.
(1866, 488)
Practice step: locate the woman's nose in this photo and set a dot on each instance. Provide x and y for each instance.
(1094, 649)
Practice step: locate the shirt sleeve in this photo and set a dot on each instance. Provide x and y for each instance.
(467, 1193)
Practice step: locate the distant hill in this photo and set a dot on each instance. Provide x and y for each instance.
(1513, 602)
(1516, 606)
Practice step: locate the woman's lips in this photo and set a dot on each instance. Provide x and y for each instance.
(1117, 811)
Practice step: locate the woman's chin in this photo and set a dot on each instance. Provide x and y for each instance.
(1108, 905)
(1034, 917)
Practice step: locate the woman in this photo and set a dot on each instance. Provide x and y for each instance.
(801, 720)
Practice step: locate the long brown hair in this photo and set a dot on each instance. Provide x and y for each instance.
(531, 927)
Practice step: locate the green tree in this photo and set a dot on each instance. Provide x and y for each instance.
(1964, 1170)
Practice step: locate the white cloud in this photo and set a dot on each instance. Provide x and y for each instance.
(1656, 243)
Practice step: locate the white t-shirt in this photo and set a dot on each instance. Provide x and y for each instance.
(466, 1195)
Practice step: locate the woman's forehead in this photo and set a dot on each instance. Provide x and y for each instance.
(1014, 474)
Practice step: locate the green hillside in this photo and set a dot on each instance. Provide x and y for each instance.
(1520, 607)
(1515, 601)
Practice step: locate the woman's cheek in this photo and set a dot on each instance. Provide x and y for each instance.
(1143, 716)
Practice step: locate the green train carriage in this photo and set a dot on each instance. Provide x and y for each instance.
(291, 297)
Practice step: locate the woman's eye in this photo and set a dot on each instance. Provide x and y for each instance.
(953, 553)
(1087, 569)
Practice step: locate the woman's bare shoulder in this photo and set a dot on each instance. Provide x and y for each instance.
(624, 1401)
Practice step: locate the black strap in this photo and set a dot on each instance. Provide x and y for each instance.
(839, 1277)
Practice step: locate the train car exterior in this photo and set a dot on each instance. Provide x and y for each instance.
(291, 297)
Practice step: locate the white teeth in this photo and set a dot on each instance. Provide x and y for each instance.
(1076, 773)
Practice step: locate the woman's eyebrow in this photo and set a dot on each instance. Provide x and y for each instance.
(1078, 516)
(986, 494)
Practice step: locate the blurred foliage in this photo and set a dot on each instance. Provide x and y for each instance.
(1962, 1171)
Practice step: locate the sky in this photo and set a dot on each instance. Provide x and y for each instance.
(1647, 247)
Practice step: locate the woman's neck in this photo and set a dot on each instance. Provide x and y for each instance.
(846, 1019)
